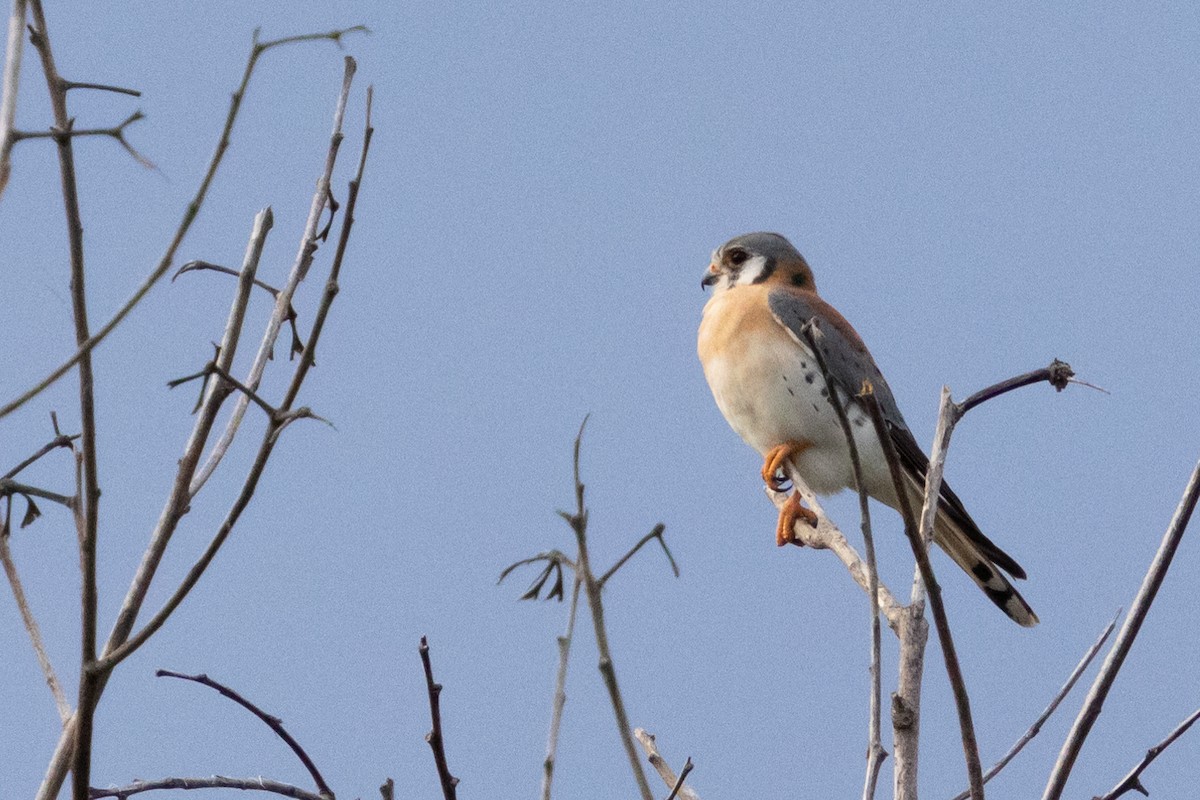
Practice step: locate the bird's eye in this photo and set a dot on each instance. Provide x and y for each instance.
(738, 257)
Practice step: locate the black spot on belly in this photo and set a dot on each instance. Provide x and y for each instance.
(784, 378)
(982, 571)
(824, 393)
(808, 377)
(858, 423)
(814, 405)
(803, 365)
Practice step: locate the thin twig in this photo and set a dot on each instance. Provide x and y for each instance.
(9, 487)
(215, 782)
(115, 132)
(560, 690)
(683, 773)
(1129, 631)
(283, 301)
(578, 522)
(8, 90)
(436, 742)
(941, 622)
(657, 533)
(89, 499)
(189, 216)
(661, 766)
(60, 440)
(31, 626)
(104, 87)
(1133, 780)
(875, 752)
(272, 722)
(119, 637)
(1036, 727)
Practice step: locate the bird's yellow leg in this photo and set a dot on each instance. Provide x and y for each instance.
(792, 512)
(777, 457)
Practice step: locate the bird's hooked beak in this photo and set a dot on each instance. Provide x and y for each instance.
(711, 276)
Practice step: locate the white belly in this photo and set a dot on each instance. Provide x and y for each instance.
(771, 391)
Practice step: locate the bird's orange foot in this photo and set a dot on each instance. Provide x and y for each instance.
(789, 515)
(777, 457)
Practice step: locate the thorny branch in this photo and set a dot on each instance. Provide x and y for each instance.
(8, 90)
(114, 132)
(1133, 780)
(119, 642)
(272, 722)
(189, 216)
(436, 742)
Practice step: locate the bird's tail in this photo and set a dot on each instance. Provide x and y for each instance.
(978, 557)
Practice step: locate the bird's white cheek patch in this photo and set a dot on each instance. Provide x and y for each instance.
(751, 270)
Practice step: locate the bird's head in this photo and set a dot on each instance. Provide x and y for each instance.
(757, 258)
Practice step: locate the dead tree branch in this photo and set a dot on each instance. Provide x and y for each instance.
(662, 767)
(189, 216)
(283, 302)
(436, 742)
(8, 90)
(560, 690)
(1036, 727)
(578, 522)
(1133, 780)
(28, 619)
(119, 642)
(272, 722)
(215, 782)
(1129, 631)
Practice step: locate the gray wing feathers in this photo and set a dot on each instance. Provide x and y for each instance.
(848, 361)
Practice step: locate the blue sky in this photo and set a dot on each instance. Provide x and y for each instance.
(978, 189)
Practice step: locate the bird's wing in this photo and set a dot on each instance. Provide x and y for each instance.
(850, 363)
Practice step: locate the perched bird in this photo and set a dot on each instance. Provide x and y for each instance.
(769, 386)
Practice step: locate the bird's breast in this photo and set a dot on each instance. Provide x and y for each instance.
(771, 390)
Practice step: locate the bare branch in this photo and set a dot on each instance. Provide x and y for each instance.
(387, 791)
(683, 773)
(560, 691)
(1036, 727)
(9, 487)
(103, 87)
(434, 737)
(661, 766)
(283, 301)
(116, 132)
(578, 522)
(58, 441)
(657, 533)
(1058, 375)
(215, 782)
(941, 622)
(1132, 781)
(189, 216)
(30, 622)
(272, 722)
(1133, 624)
(88, 501)
(8, 91)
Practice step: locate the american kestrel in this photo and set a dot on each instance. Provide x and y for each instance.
(770, 388)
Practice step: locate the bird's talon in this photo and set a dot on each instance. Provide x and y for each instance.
(789, 515)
